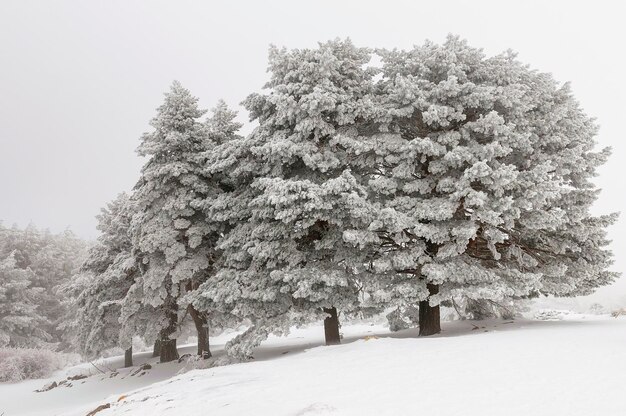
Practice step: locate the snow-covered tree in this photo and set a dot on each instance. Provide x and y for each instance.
(51, 260)
(221, 131)
(20, 321)
(171, 238)
(483, 183)
(104, 281)
(286, 261)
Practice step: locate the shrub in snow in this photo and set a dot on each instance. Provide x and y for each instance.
(403, 318)
(18, 364)
(196, 362)
(193, 362)
(550, 315)
(478, 309)
(597, 309)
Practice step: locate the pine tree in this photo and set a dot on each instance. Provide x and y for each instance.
(221, 131)
(218, 296)
(51, 260)
(104, 281)
(286, 261)
(483, 182)
(20, 322)
(170, 235)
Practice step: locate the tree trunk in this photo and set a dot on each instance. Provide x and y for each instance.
(204, 349)
(429, 316)
(128, 357)
(156, 351)
(168, 350)
(202, 328)
(331, 327)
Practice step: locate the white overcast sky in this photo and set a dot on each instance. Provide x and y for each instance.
(79, 80)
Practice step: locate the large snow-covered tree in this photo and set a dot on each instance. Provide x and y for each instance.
(484, 182)
(221, 132)
(286, 259)
(171, 238)
(220, 297)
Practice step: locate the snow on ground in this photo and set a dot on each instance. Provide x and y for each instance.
(573, 365)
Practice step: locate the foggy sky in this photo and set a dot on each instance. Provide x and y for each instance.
(79, 80)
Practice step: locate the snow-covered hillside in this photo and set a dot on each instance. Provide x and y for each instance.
(572, 366)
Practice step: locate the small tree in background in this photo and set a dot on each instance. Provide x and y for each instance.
(20, 322)
(47, 261)
(104, 281)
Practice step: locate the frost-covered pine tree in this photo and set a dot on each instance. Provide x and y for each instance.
(286, 259)
(221, 131)
(171, 238)
(51, 260)
(483, 184)
(219, 297)
(104, 281)
(20, 322)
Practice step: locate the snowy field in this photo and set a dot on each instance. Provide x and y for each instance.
(575, 365)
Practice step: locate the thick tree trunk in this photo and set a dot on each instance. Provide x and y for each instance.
(331, 327)
(429, 316)
(168, 350)
(204, 349)
(156, 350)
(128, 357)
(202, 328)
